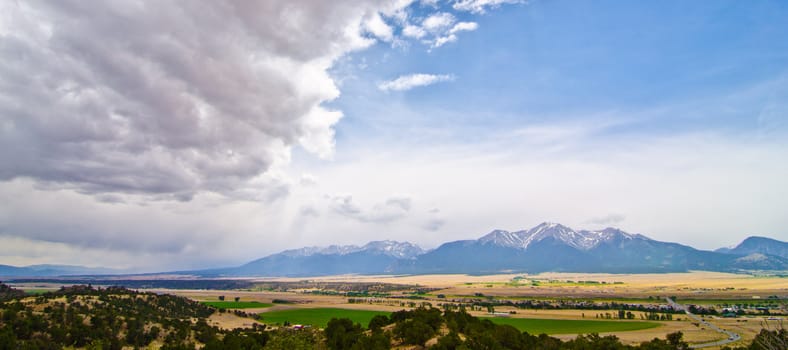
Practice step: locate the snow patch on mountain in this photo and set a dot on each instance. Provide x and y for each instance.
(400, 250)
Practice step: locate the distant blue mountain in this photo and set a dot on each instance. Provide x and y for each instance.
(758, 245)
(546, 247)
(374, 257)
(52, 271)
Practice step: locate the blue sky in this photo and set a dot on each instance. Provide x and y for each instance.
(197, 136)
(549, 60)
(678, 90)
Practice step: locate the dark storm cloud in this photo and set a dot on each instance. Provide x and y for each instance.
(167, 98)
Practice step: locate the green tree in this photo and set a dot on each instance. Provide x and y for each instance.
(414, 331)
(342, 333)
(379, 321)
(449, 341)
(676, 340)
(375, 341)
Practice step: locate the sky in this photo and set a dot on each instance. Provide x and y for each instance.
(151, 136)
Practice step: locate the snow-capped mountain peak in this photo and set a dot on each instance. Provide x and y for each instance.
(582, 240)
(502, 238)
(403, 250)
(329, 250)
(554, 230)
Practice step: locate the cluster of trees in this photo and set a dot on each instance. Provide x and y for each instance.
(8, 293)
(83, 316)
(116, 318)
(628, 315)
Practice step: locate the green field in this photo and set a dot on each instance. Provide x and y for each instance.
(38, 291)
(236, 305)
(319, 317)
(549, 326)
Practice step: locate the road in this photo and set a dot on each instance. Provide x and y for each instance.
(730, 336)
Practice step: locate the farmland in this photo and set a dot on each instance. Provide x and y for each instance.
(318, 317)
(556, 326)
(237, 304)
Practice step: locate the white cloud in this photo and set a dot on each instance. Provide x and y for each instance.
(438, 22)
(379, 28)
(412, 31)
(481, 6)
(442, 26)
(464, 27)
(440, 41)
(407, 82)
(153, 98)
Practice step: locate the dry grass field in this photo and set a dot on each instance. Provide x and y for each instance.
(691, 284)
(227, 320)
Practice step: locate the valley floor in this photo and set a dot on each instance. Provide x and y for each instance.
(705, 289)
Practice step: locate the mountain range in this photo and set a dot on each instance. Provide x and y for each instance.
(53, 270)
(546, 247)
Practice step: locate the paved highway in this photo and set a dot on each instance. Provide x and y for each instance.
(731, 337)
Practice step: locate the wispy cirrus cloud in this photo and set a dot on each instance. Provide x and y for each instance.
(481, 6)
(437, 29)
(407, 82)
(451, 35)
